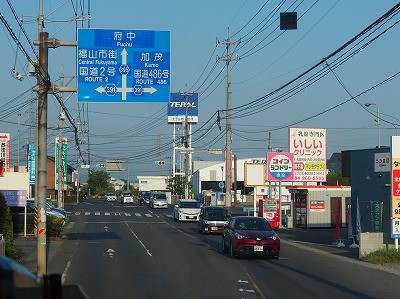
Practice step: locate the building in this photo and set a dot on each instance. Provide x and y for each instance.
(51, 179)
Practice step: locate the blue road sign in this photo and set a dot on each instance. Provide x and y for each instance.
(123, 65)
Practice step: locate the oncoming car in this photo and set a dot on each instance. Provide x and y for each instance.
(126, 197)
(144, 197)
(158, 199)
(187, 210)
(110, 197)
(212, 219)
(250, 235)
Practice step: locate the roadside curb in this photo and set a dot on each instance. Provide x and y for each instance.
(387, 269)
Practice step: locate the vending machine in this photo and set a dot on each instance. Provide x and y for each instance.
(269, 208)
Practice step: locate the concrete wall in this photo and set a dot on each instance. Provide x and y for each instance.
(370, 242)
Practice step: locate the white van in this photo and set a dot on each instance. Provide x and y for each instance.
(126, 197)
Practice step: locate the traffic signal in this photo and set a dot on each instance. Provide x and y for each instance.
(160, 162)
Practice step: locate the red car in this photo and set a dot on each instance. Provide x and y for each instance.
(144, 197)
(248, 235)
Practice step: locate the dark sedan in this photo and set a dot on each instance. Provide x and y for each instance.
(248, 235)
(212, 219)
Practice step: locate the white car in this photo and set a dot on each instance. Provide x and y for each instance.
(187, 210)
(158, 200)
(110, 197)
(126, 197)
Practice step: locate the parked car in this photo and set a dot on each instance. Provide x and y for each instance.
(126, 197)
(250, 235)
(51, 206)
(187, 210)
(110, 197)
(30, 207)
(158, 199)
(212, 219)
(144, 197)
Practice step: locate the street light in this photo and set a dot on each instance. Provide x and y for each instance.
(377, 121)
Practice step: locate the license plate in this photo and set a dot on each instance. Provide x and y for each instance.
(258, 248)
(214, 228)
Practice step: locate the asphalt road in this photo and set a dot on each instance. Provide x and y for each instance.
(128, 251)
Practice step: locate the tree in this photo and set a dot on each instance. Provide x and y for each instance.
(6, 229)
(98, 182)
(177, 185)
(336, 179)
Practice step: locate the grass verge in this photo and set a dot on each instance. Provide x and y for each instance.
(382, 256)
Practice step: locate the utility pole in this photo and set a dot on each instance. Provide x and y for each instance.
(186, 144)
(43, 84)
(228, 154)
(60, 202)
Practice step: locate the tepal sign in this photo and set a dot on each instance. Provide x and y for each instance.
(179, 103)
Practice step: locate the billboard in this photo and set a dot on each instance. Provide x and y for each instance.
(15, 198)
(32, 163)
(308, 146)
(254, 174)
(5, 150)
(280, 167)
(395, 186)
(177, 108)
(64, 164)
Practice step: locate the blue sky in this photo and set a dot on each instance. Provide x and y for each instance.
(269, 59)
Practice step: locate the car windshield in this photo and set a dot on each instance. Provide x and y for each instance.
(216, 214)
(189, 204)
(145, 193)
(126, 194)
(252, 224)
(110, 194)
(159, 196)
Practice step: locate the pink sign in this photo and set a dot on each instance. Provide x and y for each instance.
(280, 167)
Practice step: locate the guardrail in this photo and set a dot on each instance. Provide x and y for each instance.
(2, 246)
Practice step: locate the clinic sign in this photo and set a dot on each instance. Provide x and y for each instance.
(280, 166)
(395, 186)
(179, 104)
(5, 150)
(123, 65)
(308, 146)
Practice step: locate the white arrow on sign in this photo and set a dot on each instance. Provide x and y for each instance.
(100, 89)
(151, 89)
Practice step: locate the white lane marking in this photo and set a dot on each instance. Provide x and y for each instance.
(97, 213)
(77, 213)
(169, 216)
(128, 214)
(248, 291)
(87, 213)
(64, 275)
(107, 214)
(148, 215)
(138, 214)
(147, 251)
(243, 281)
(117, 214)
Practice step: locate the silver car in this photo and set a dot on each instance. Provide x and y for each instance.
(187, 210)
(158, 200)
(110, 197)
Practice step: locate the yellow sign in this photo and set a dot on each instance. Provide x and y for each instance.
(314, 166)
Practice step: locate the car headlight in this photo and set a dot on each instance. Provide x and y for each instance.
(275, 237)
(207, 222)
(239, 236)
